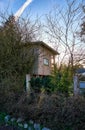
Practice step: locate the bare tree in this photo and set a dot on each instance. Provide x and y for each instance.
(62, 26)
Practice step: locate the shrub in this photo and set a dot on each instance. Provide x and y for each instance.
(52, 110)
(61, 80)
(36, 84)
(39, 83)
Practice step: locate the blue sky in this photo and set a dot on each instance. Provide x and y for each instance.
(36, 7)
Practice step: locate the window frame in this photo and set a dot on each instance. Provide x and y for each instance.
(46, 61)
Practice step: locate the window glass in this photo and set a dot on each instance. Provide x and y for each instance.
(46, 61)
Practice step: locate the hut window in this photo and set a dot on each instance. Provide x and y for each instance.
(46, 61)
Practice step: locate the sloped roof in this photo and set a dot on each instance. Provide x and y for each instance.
(41, 43)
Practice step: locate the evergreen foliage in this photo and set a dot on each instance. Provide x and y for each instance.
(60, 81)
(16, 56)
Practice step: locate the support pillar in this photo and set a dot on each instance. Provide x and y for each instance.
(76, 85)
(28, 78)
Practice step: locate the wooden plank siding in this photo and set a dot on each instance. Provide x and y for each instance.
(44, 54)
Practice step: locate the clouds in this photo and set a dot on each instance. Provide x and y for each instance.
(20, 11)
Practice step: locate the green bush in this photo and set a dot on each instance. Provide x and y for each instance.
(41, 82)
(36, 83)
(61, 80)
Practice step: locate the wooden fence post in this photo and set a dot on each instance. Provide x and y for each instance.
(76, 85)
(28, 78)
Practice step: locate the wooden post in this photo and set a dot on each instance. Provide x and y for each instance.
(76, 85)
(53, 59)
(28, 82)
